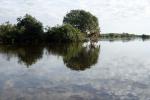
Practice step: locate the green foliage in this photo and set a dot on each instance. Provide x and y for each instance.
(82, 20)
(119, 36)
(64, 33)
(29, 27)
(8, 32)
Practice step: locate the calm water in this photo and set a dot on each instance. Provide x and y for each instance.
(106, 71)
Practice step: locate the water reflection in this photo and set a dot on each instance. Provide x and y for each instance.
(75, 56)
(84, 59)
(27, 55)
(125, 39)
(121, 73)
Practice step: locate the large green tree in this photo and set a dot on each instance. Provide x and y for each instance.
(82, 20)
(29, 27)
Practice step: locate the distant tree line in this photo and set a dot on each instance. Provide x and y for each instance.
(77, 26)
(123, 36)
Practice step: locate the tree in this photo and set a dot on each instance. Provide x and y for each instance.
(8, 32)
(84, 21)
(29, 27)
(64, 33)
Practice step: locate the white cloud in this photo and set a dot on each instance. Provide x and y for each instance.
(114, 15)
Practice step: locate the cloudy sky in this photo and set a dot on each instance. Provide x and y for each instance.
(114, 15)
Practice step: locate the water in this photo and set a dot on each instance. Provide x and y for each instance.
(106, 71)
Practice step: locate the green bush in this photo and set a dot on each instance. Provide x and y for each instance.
(64, 33)
(8, 32)
(29, 28)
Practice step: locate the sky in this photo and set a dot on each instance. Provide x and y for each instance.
(132, 16)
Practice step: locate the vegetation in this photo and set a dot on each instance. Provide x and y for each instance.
(116, 35)
(82, 20)
(29, 30)
(64, 33)
(78, 25)
(8, 32)
(145, 37)
(123, 36)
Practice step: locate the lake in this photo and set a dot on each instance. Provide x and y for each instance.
(118, 70)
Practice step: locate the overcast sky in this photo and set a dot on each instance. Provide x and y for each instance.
(114, 15)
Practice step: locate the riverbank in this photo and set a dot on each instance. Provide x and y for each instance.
(123, 36)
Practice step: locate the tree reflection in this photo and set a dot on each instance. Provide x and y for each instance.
(65, 50)
(84, 59)
(27, 55)
(75, 55)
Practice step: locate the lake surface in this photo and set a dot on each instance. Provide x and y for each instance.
(106, 71)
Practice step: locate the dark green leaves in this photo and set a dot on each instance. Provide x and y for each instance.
(64, 33)
(82, 20)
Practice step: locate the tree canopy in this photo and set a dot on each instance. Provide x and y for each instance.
(82, 20)
(78, 25)
(64, 33)
(8, 32)
(29, 27)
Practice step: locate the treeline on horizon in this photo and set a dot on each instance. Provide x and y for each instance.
(123, 35)
(78, 25)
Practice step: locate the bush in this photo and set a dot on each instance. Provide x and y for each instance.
(8, 32)
(29, 28)
(64, 33)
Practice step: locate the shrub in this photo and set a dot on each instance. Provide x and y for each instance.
(8, 32)
(29, 28)
(64, 33)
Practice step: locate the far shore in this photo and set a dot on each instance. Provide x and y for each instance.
(123, 36)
